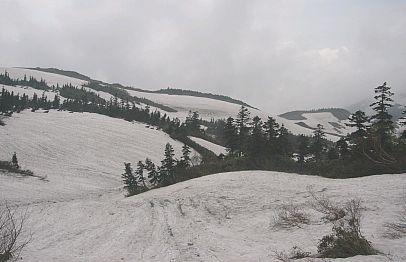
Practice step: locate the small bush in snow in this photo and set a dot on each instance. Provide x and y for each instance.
(289, 216)
(295, 253)
(346, 239)
(321, 203)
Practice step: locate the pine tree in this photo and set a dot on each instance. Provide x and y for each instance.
(153, 175)
(271, 128)
(243, 118)
(360, 121)
(130, 181)
(303, 148)
(140, 174)
(319, 144)
(230, 136)
(382, 124)
(256, 146)
(283, 144)
(185, 160)
(167, 170)
(343, 148)
(14, 161)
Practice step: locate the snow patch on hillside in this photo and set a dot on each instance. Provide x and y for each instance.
(216, 149)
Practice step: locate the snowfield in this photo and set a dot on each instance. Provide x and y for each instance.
(216, 149)
(78, 150)
(221, 217)
(29, 91)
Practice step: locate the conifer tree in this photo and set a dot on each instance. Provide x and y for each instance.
(271, 128)
(14, 161)
(230, 136)
(303, 148)
(256, 140)
(140, 174)
(360, 121)
(283, 144)
(185, 160)
(319, 144)
(153, 175)
(167, 170)
(130, 181)
(242, 121)
(343, 148)
(382, 120)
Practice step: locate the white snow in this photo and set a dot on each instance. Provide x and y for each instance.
(221, 217)
(82, 151)
(217, 149)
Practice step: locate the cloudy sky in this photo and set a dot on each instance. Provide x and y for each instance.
(276, 55)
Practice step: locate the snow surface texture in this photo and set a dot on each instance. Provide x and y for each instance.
(78, 151)
(216, 149)
(221, 217)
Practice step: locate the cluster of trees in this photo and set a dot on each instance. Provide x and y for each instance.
(10, 102)
(149, 175)
(5, 79)
(372, 148)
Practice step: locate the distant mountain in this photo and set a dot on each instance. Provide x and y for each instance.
(339, 113)
(72, 74)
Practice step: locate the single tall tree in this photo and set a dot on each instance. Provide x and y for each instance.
(242, 121)
(230, 136)
(167, 170)
(382, 121)
(271, 128)
(140, 174)
(130, 181)
(256, 146)
(319, 144)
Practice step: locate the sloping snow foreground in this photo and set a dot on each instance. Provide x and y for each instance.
(77, 152)
(221, 217)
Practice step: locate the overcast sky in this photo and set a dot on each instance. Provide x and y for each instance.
(276, 55)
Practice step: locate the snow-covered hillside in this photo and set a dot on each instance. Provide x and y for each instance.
(79, 150)
(208, 108)
(221, 217)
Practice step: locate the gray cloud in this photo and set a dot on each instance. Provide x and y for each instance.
(277, 55)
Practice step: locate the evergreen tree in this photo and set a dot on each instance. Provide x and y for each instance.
(256, 140)
(130, 181)
(153, 175)
(167, 170)
(382, 120)
(319, 144)
(271, 128)
(140, 174)
(185, 160)
(230, 135)
(360, 121)
(283, 144)
(14, 161)
(242, 121)
(343, 148)
(303, 148)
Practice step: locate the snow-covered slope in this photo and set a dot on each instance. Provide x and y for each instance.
(79, 150)
(217, 149)
(29, 91)
(222, 217)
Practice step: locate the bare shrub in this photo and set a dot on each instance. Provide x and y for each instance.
(397, 229)
(295, 253)
(12, 225)
(289, 216)
(346, 239)
(332, 211)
